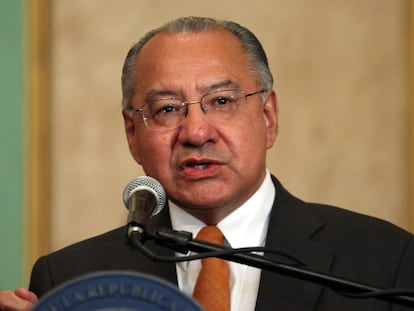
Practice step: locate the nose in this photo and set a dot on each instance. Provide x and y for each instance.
(196, 129)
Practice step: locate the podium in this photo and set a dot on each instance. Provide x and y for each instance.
(116, 291)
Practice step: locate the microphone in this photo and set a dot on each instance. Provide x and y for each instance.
(144, 197)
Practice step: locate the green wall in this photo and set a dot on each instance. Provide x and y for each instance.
(12, 104)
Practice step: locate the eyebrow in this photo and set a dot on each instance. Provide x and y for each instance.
(154, 94)
(158, 94)
(221, 84)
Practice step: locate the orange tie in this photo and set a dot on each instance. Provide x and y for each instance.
(212, 286)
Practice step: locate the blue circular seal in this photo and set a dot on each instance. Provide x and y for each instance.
(116, 291)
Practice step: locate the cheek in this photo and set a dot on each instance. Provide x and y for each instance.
(254, 131)
(154, 152)
(247, 140)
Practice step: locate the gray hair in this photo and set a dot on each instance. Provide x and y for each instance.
(250, 44)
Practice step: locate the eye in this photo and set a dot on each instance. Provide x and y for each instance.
(166, 109)
(222, 100)
(162, 108)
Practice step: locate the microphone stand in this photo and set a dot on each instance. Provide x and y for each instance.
(182, 241)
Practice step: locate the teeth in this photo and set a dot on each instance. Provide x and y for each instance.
(200, 166)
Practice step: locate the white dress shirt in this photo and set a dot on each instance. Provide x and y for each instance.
(245, 227)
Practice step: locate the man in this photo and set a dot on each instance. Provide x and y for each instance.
(200, 113)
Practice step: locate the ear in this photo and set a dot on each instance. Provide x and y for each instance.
(131, 135)
(270, 114)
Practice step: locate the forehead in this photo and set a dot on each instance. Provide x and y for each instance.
(191, 58)
(219, 40)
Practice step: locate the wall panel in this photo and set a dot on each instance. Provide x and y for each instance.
(12, 96)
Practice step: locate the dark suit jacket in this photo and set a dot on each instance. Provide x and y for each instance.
(327, 239)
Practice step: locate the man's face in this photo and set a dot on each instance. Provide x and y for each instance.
(207, 168)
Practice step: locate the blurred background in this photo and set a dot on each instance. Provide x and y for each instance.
(343, 75)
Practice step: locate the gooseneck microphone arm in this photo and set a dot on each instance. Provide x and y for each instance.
(182, 241)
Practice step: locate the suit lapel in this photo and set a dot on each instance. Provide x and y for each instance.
(291, 228)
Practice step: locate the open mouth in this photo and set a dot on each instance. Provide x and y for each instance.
(200, 168)
(197, 165)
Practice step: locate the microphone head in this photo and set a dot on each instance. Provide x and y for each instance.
(150, 184)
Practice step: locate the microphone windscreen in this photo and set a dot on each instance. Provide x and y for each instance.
(143, 182)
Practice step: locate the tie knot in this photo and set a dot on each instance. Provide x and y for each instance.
(211, 234)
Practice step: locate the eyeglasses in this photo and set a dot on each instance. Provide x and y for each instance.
(169, 113)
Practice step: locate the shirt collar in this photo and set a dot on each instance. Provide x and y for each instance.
(247, 225)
